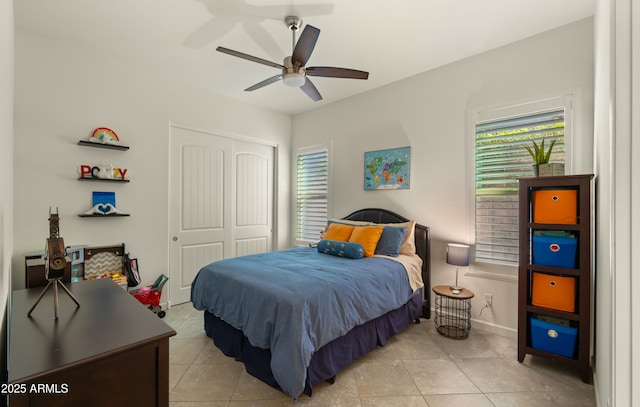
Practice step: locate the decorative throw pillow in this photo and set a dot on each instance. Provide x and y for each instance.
(368, 237)
(408, 246)
(341, 249)
(337, 231)
(409, 243)
(390, 241)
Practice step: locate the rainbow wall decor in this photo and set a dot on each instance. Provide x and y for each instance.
(104, 135)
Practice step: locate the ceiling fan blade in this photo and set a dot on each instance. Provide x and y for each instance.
(310, 89)
(304, 46)
(331, 72)
(249, 57)
(264, 83)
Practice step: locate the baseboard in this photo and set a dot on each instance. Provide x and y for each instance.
(494, 329)
(489, 327)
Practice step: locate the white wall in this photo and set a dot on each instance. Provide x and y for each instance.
(6, 167)
(429, 113)
(603, 139)
(617, 95)
(63, 92)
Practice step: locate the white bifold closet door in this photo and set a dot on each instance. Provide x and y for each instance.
(220, 202)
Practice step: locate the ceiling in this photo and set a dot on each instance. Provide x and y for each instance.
(392, 40)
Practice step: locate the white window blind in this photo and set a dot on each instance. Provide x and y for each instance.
(500, 160)
(312, 175)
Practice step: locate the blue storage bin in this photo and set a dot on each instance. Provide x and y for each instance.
(555, 251)
(553, 338)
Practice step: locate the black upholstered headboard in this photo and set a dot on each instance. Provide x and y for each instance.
(423, 245)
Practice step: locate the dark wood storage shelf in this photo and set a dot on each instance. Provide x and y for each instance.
(553, 312)
(555, 270)
(552, 356)
(102, 145)
(103, 179)
(554, 226)
(581, 318)
(82, 215)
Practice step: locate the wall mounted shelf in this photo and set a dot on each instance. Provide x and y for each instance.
(82, 215)
(101, 145)
(103, 179)
(110, 201)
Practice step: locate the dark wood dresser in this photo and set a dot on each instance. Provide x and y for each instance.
(111, 351)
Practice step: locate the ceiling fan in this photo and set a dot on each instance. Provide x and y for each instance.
(294, 72)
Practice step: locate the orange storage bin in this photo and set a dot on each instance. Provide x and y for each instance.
(555, 206)
(550, 291)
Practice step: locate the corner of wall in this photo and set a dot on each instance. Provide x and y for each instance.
(6, 169)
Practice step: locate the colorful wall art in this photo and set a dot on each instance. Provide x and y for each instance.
(104, 135)
(387, 169)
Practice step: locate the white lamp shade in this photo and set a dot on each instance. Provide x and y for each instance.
(458, 254)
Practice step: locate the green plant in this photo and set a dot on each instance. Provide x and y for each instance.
(538, 153)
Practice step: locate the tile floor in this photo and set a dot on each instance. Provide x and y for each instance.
(418, 367)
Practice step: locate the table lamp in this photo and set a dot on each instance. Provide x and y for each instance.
(457, 255)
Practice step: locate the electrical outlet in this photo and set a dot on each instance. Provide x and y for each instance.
(488, 299)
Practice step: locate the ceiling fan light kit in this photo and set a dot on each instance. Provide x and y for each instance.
(296, 79)
(293, 69)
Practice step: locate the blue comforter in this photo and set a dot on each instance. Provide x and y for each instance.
(295, 301)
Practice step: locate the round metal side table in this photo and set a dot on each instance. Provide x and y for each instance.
(452, 312)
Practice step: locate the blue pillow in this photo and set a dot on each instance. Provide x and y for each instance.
(350, 250)
(390, 241)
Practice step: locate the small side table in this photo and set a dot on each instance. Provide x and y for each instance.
(452, 312)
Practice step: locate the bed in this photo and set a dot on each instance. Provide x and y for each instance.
(302, 315)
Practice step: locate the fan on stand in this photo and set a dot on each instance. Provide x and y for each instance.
(294, 72)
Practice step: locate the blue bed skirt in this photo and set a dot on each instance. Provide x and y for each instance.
(328, 360)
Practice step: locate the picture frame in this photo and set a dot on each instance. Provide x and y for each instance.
(132, 268)
(387, 169)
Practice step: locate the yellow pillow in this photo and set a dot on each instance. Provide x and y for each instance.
(339, 232)
(368, 237)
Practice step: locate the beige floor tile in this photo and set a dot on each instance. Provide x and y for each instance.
(416, 344)
(458, 400)
(206, 383)
(439, 376)
(384, 378)
(394, 401)
(191, 327)
(541, 399)
(477, 345)
(185, 351)
(563, 374)
(175, 374)
(343, 392)
(417, 368)
(250, 388)
(210, 354)
(494, 375)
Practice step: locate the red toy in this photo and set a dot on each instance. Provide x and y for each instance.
(150, 295)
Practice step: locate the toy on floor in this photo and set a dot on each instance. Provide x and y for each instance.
(150, 295)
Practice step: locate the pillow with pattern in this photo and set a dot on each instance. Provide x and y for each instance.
(349, 250)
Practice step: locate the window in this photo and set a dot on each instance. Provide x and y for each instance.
(500, 159)
(312, 187)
